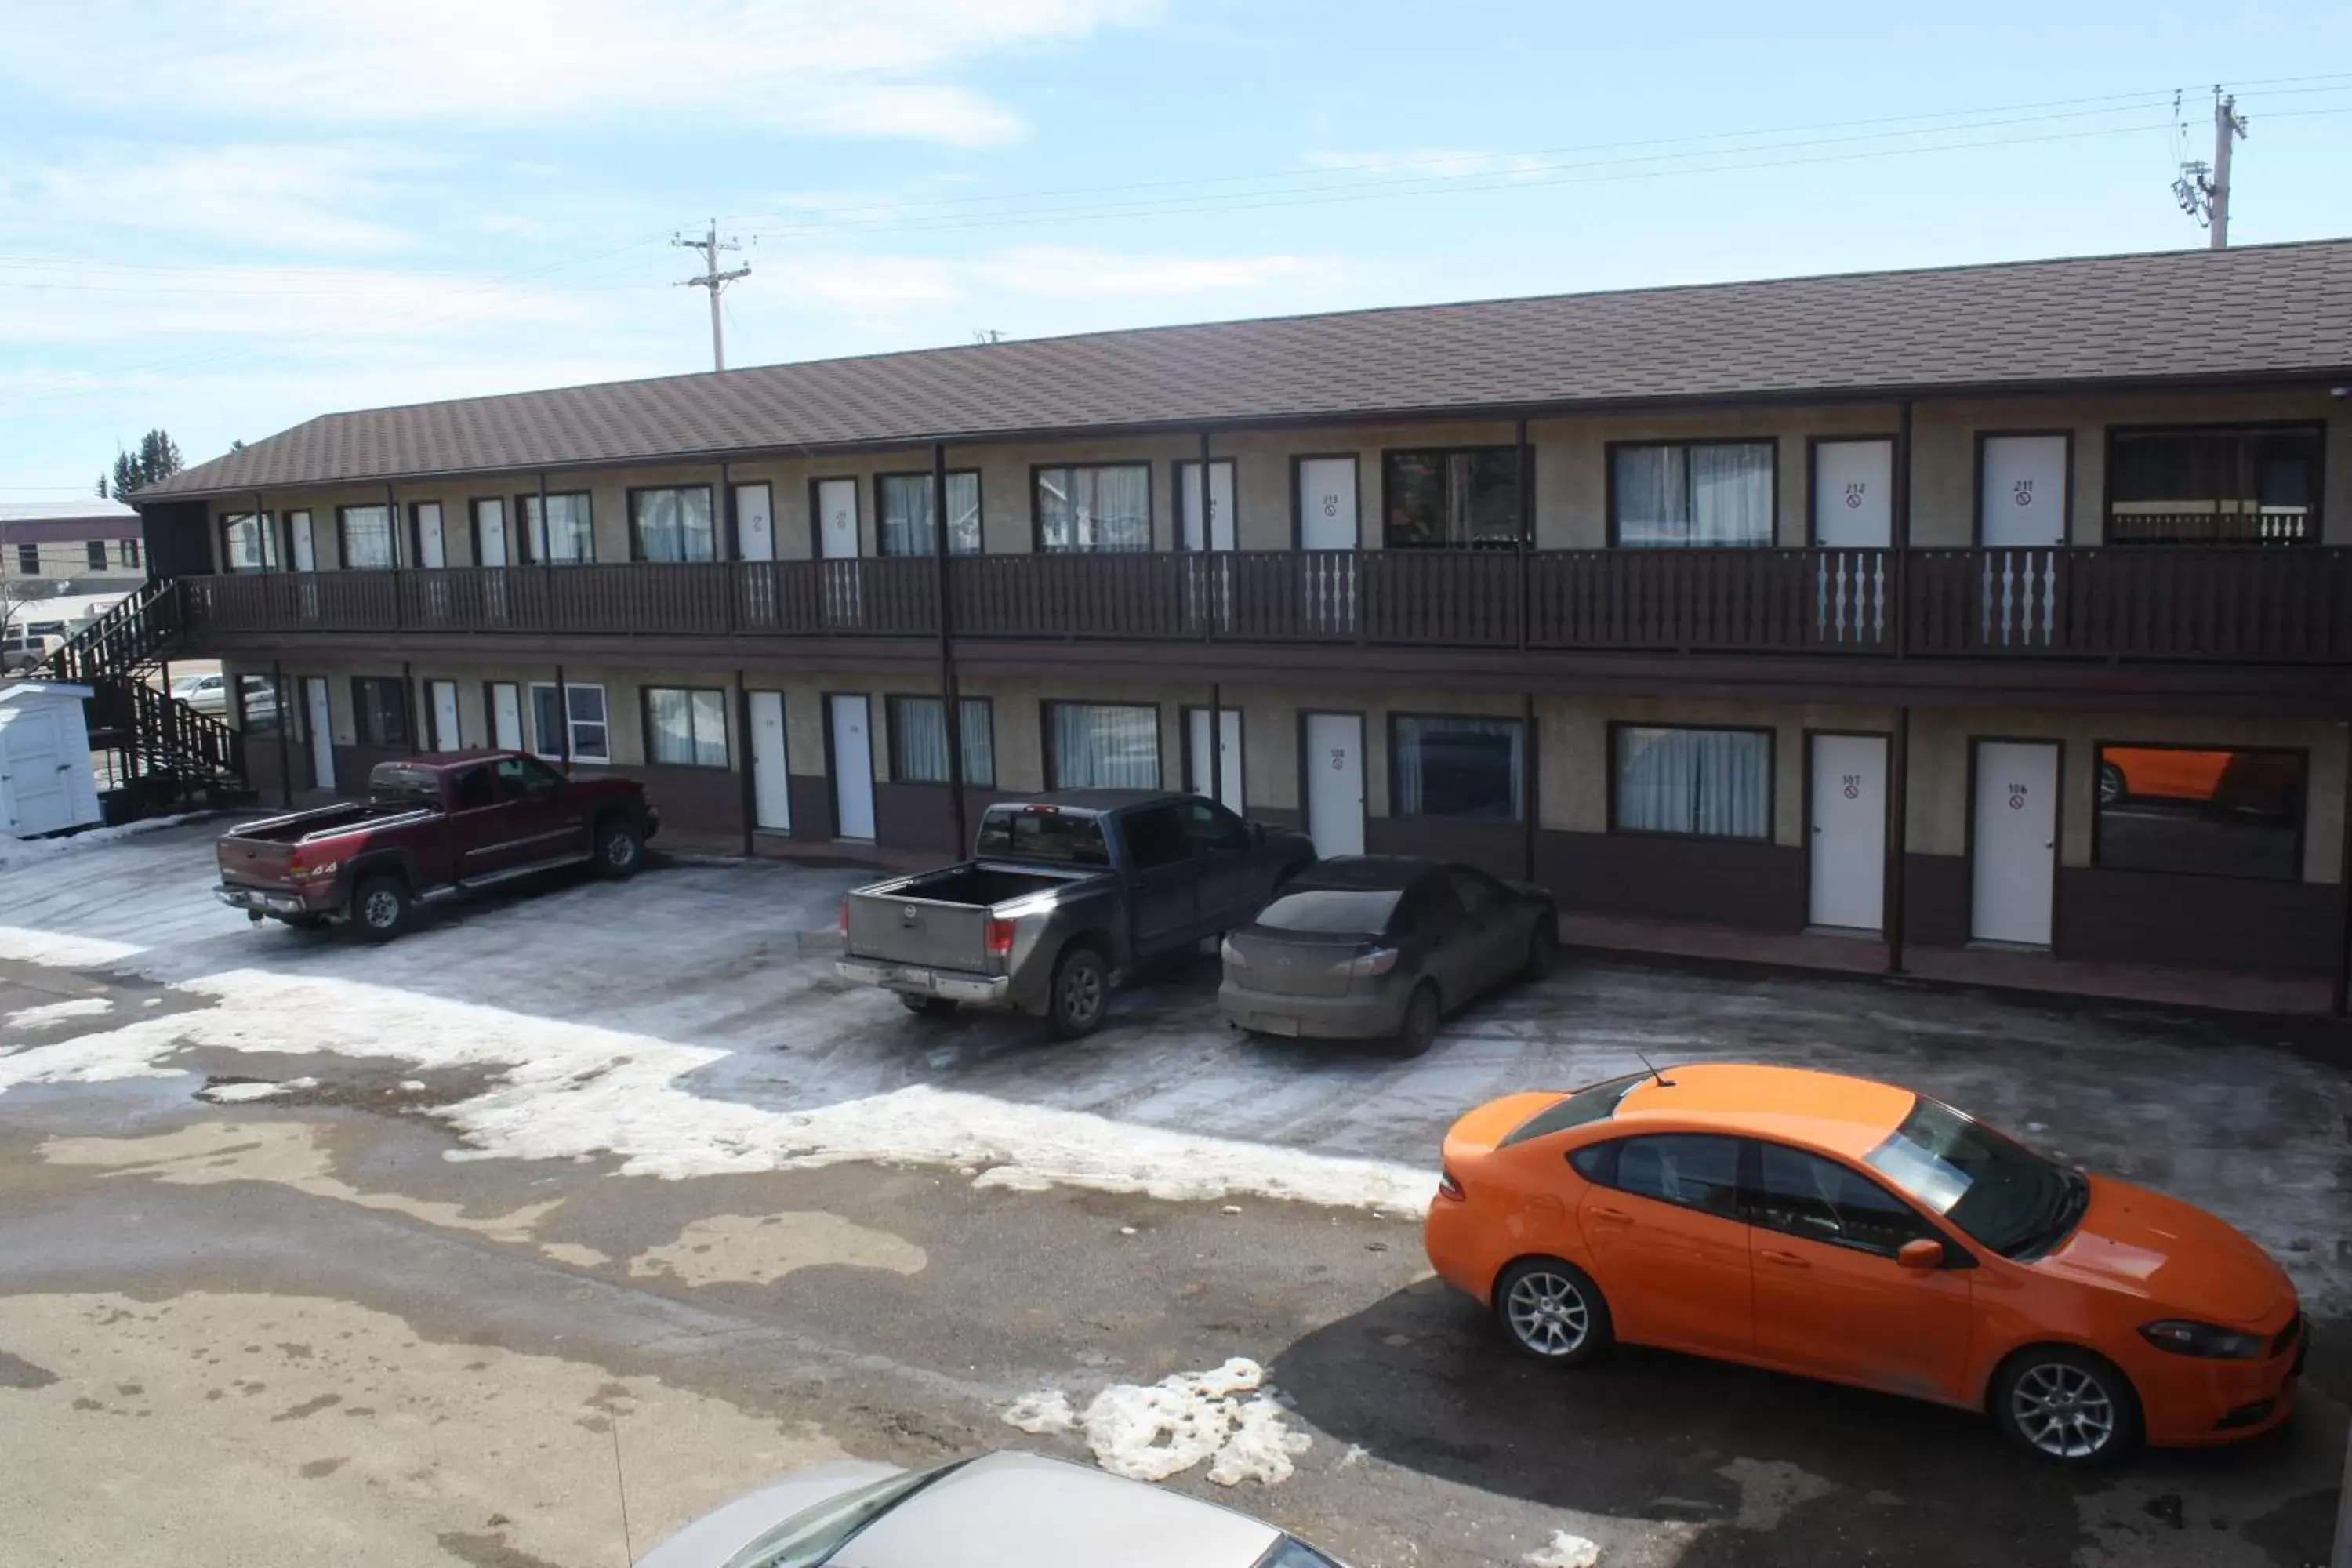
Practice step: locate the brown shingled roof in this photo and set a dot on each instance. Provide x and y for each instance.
(2261, 312)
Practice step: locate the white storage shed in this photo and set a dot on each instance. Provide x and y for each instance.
(46, 785)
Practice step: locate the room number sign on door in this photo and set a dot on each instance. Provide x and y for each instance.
(1853, 786)
(2017, 798)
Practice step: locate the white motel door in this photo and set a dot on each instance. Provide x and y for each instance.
(770, 785)
(306, 548)
(1202, 761)
(1335, 783)
(836, 541)
(505, 716)
(836, 505)
(1854, 520)
(1849, 831)
(447, 735)
(2021, 494)
(490, 534)
(2015, 854)
(431, 548)
(322, 732)
(1328, 522)
(852, 767)
(1220, 533)
(755, 523)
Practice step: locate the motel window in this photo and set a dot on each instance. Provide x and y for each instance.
(380, 711)
(367, 538)
(583, 710)
(126, 552)
(2255, 486)
(1704, 784)
(94, 551)
(1692, 493)
(671, 524)
(919, 741)
(906, 513)
(1104, 507)
(2209, 812)
(685, 728)
(29, 560)
(564, 536)
(1458, 767)
(1458, 500)
(1093, 745)
(247, 542)
(257, 705)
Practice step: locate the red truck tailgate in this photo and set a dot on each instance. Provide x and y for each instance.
(255, 863)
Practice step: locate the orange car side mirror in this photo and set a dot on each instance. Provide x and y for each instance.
(1921, 1252)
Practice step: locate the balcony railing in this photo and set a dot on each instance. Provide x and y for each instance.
(2176, 602)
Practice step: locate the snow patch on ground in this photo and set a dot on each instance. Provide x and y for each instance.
(1564, 1550)
(17, 852)
(573, 1090)
(252, 1089)
(1148, 1432)
(58, 951)
(58, 1012)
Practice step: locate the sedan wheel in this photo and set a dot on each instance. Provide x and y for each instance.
(1551, 1311)
(2068, 1406)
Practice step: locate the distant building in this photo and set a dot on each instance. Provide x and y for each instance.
(72, 547)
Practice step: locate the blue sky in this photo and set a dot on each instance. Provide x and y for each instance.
(223, 218)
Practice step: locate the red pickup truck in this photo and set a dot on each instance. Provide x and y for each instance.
(431, 827)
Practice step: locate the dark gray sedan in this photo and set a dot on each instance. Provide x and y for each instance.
(1001, 1511)
(1381, 947)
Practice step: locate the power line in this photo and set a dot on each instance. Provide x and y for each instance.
(711, 278)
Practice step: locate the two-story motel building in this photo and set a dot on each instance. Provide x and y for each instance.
(2001, 610)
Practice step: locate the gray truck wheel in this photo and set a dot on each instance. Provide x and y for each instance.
(1081, 994)
(380, 909)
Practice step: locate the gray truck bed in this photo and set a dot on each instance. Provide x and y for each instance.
(938, 919)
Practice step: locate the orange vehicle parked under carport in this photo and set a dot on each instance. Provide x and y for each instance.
(1843, 1229)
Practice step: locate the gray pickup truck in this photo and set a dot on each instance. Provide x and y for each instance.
(1065, 896)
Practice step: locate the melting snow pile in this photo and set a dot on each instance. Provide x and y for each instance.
(58, 1012)
(1148, 1432)
(251, 1089)
(1566, 1550)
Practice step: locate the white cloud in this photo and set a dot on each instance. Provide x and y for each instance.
(300, 197)
(836, 66)
(1436, 163)
(900, 282)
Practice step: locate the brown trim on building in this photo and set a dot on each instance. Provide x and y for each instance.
(1662, 876)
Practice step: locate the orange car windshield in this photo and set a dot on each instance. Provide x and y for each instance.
(1998, 1192)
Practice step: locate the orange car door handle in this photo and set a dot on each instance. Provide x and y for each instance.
(1785, 1259)
(1612, 1216)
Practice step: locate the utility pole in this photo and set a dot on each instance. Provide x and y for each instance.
(2204, 189)
(714, 280)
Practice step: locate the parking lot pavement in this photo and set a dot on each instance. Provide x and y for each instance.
(1037, 1220)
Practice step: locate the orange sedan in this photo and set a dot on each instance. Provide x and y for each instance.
(1844, 1229)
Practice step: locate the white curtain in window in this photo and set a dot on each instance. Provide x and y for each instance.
(367, 538)
(1459, 767)
(1731, 494)
(674, 525)
(918, 739)
(1714, 783)
(565, 535)
(1105, 748)
(1096, 509)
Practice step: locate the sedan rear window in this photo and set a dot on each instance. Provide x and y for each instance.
(1594, 1102)
(1354, 912)
(1024, 833)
